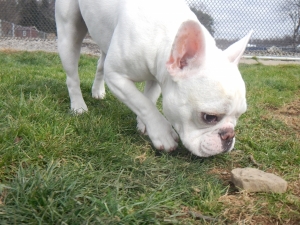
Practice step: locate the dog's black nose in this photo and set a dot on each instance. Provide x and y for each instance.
(227, 136)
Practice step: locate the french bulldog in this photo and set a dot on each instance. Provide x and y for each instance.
(162, 43)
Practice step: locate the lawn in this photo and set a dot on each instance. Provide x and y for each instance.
(59, 168)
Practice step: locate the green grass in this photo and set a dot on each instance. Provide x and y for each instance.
(57, 168)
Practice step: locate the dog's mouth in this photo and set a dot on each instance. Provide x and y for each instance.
(220, 147)
(227, 145)
(206, 143)
(204, 151)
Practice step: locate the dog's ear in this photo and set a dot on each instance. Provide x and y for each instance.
(188, 48)
(235, 51)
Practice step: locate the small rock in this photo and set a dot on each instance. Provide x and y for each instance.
(254, 180)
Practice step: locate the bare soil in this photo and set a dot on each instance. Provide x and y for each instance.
(290, 115)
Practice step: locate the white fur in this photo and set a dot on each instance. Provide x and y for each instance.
(160, 42)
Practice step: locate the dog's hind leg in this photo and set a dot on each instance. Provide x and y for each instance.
(98, 89)
(151, 91)
(71, 30)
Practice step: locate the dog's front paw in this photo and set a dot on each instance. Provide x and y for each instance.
(98, 89)
(78, 107)
(163, 136)
(98, 94)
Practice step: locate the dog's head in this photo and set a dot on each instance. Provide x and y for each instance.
(206, 93)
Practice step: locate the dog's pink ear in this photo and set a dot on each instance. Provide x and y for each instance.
(235, 51)
(188, 48)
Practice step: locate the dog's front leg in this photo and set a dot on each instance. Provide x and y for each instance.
(158, 128)
(151, 91)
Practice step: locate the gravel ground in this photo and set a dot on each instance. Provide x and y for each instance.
(275, 53)
(89, 47)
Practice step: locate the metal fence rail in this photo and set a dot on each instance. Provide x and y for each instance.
(275, 22)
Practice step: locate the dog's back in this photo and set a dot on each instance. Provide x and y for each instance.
(102, 17)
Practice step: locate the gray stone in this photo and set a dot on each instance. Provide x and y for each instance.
(254, 180)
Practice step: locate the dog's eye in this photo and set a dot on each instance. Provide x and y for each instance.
(210, 118)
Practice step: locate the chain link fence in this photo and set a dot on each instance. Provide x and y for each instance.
(275, 23)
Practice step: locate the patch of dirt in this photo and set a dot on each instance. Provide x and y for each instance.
(245, 208)
(290, 115)
(224, 175)
(241, 208)
(295, 187)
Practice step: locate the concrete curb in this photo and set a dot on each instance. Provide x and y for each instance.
(268, 62)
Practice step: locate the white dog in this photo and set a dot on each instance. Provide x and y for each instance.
(160, 42)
